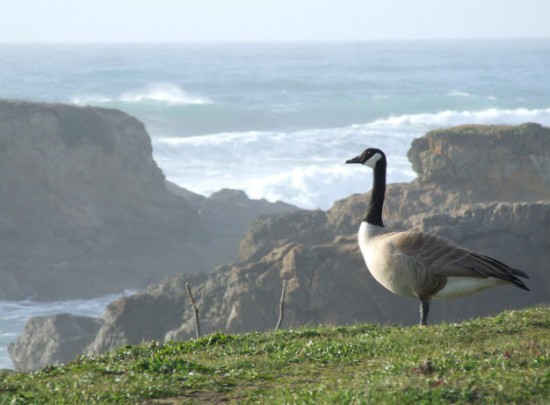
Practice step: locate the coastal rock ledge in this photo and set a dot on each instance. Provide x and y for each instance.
(86, 211)
(486, 187)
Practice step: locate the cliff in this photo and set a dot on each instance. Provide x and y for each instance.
(495, 163)
(86, 211)
(501, 208)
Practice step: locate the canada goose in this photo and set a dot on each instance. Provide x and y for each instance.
(417, 264)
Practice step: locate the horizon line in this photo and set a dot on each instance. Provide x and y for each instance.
(275, 41)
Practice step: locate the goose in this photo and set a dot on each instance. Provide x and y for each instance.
(416, 264)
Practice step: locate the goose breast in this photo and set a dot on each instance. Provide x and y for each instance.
(395, 269)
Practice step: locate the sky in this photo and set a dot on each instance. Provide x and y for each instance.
(75, 21)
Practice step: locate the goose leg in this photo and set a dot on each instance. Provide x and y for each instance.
(424, 311)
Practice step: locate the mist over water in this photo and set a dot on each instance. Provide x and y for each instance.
(279, 120)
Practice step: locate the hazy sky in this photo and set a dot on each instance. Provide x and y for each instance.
(268, 20)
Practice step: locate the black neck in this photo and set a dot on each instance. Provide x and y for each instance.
(374, 212)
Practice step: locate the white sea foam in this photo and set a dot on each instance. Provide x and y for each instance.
(307, 167)
(459, 93)
(162, 93)
(451, 118)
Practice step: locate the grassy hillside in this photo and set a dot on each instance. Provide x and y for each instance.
(503, 359)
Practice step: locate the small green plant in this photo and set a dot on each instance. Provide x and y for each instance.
(501, 359)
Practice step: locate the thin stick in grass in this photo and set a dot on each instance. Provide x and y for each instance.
(281, 307)
(197, 324)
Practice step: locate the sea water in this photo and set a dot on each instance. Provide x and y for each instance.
(279, 120)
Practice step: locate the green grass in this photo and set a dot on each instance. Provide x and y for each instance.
(502, 359)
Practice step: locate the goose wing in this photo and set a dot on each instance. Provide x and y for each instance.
(442, 257)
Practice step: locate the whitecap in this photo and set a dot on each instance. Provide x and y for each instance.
(168, 93)
(448, 118)
(464, 94)
(459, 93)
(163, 93)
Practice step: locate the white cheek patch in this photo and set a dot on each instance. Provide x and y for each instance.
(372, 161)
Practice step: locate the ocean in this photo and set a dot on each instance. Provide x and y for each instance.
(278, 120)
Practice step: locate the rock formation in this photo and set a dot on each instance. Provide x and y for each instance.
(497, 202)
(495, 163)
(53, 339)
(85, 210)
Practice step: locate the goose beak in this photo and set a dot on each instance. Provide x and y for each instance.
(356, 159)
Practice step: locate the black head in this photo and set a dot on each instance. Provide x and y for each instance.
(369, 157)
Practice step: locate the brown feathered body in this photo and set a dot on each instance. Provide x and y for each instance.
(417, 264)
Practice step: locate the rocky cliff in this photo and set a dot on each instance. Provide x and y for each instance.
(501, 208)
(85, 210)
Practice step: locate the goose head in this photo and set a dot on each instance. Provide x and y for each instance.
(370, 157)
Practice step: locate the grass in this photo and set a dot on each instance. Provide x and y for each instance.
(502, 359)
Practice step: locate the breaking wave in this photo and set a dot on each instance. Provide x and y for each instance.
(306, 168)
(451, 118)
(162, 93)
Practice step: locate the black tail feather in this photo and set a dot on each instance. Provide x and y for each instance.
(517, 282)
